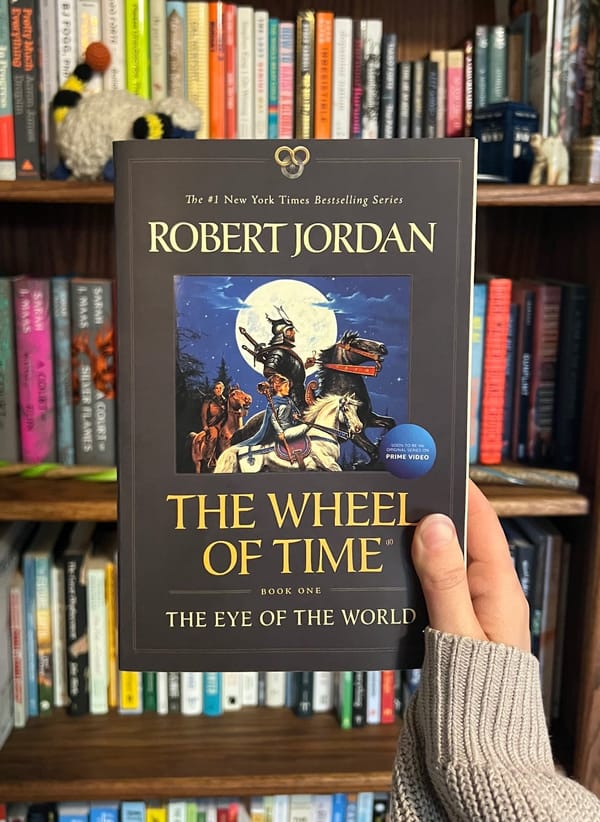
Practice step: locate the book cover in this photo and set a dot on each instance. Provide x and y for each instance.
(314, 330)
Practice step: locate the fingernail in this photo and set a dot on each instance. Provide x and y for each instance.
(437, 532)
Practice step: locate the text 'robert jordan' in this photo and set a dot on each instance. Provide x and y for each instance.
(298, 554)
(298, 238)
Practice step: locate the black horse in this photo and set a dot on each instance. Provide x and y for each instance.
(342, 368)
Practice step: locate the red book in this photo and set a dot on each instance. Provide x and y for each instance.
(388, 713)
(455, 93)
(216, 69)
(229, 19)
(494, 370)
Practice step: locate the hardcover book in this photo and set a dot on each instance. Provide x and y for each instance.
(301, 312)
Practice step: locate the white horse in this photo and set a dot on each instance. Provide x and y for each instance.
(331, 416)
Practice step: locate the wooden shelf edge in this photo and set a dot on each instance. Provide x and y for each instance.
(54, 191)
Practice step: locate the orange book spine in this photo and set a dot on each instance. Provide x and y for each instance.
(216, 69)
(323, 73)
(388, 713)
(494, 370)
(230, 71)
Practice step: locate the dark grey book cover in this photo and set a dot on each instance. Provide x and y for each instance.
(293, 325)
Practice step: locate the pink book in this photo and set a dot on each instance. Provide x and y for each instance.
(33, 336)
(286, 80)
(455, 93)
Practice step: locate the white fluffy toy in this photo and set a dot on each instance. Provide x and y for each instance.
(88, 124)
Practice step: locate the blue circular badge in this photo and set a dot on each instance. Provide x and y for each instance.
(407, 451)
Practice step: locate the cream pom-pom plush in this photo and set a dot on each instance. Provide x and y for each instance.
(88, 124)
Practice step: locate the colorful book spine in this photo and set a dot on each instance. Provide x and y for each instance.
(387, 114)
(43, 628)
(33, 333)
(494, 370)
(342, 78)
(305, 74)
(9, 421)
(137, 49)
(18, 652)
(388, 712)
(213, 695)
(216, 69)
(131, 698)
(33, 707)
(261, 74)
(158, 50)
(245, 72)
(230, 17)
(371, 34)
(25, 51)
(8, 169)
(59, 648)
(477, 345)
(149, 691)
(285, 123)
(509, 385)
(273, 75)
(176, 46)
(323, 74)
(94, 372)
(455, 93)
(61, 336)
(197, 63)
(343, 699)
(111, 634)
(468, 83)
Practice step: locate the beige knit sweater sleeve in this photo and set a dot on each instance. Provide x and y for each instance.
(474, 744)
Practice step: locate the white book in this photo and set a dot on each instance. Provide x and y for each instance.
(97, 635)
(341, 78)
(162, 692)
(371, 34)
(281, 807)
(158, 49)
(322, 691)
(47, 13)
(245, 72)
(261, 75)
(232, 690)
(19, 656)
(89, 30)
(301, 808)
(176, 810)
(191, 693)
(275, 689)
(249, 688)
(322, 807)
(67, 42)
(373, 697)
(59, 647)
(113, 35)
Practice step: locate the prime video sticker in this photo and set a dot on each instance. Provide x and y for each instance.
(408, 451)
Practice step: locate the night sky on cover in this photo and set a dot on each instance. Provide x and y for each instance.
(377, 307)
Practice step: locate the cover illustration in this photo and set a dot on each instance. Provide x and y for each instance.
(293, 326)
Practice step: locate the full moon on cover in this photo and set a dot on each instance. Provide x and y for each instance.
(305, 305)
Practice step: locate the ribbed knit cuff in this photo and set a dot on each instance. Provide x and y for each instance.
(480, 702)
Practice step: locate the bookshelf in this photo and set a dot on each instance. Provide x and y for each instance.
(57, 228)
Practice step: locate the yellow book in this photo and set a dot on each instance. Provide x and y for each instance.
(155, 812)
(111, 628)
(137, 47)
(197, 68)
(130, 692)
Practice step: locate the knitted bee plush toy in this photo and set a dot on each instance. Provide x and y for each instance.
(86, 125)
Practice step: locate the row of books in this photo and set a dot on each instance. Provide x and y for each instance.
(57, 371)
(362, 806)
(528, 371)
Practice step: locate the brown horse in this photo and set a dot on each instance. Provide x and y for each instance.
(205, 450)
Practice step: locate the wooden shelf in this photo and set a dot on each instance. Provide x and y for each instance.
(52, 191)
(69, 499)
(252, 751)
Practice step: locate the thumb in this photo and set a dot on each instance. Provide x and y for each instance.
(440, 566)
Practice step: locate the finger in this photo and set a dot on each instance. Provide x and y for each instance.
(440, 565)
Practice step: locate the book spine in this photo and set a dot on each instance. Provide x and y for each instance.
(162, 693)
(344, 699)
(113, 35)
(497, 64)
(273, 79)
(477, 345)
(468, 81)
(89, 28)
(371, 70)
(94, 395)
(543, 374)
(9, 422)
(322, 696)
(245, 72)
(387, 112)
(68, 54)
(439, 56)
(131, 699)
(29, 582)
(25, 50)
(59, 648)
(76, 635)
(525, 300)
(261, 74)
(404, 95)
(158, 51)
(480, 86)
(357, 89)
(48, 78)
(430, 99)
(213, 693)
(359, 698)
(229, 22)
(198, 80)
(323, 73)
(305, 71)
(250, 688)
(176, 47)
(303, 687)
(509, 384)
(286, 81)
(174, 692)
(388, 712)
(216, 69)
(275, 689)
(33, 334)
(373, 714)
(231, 685)
(149, 697)
(137, 56)
(342, 78)
(494, 370)
(97, 640)
(191, 693)
(61, 333)
(8, 169)
(557, 66)
(455, 90)
(43, 629)
(18, 653)
(111, 634)
(416, 98)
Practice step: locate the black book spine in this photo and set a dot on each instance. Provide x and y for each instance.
(76, 633)
(387, 115)
(430, 91)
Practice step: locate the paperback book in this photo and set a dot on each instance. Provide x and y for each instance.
(293, 396)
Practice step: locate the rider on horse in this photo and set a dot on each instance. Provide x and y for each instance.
(213, 413)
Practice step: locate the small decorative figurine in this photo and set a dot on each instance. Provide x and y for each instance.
(550, 163)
